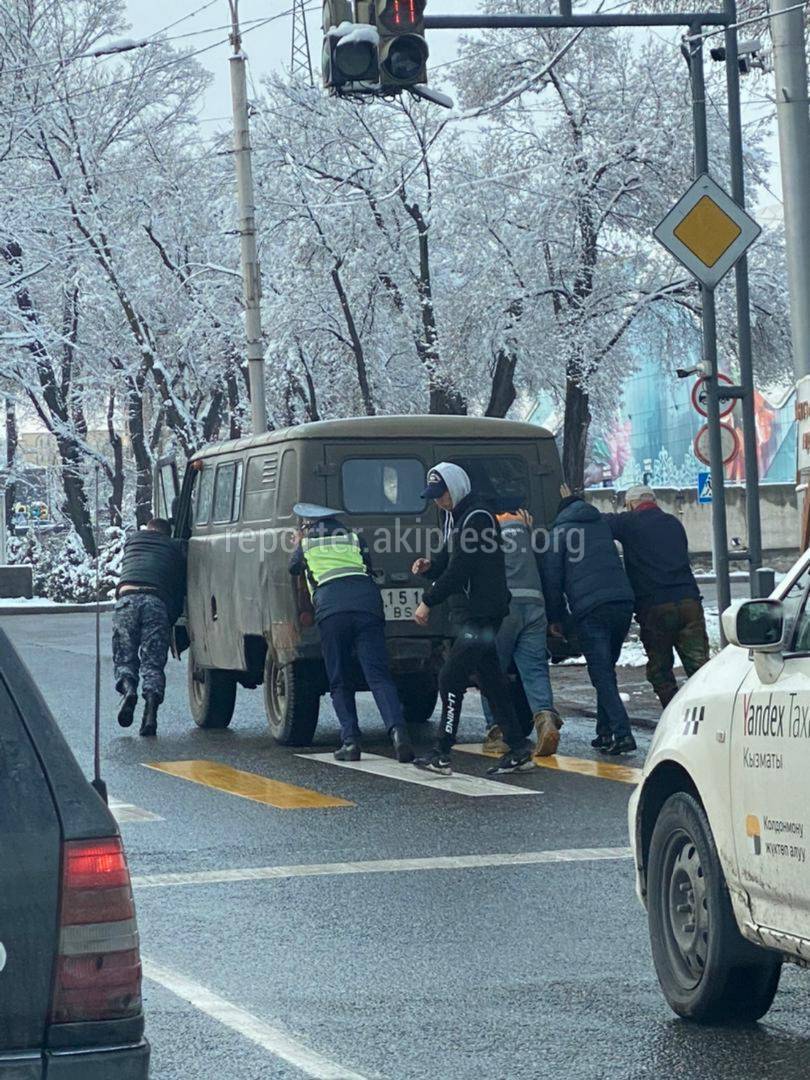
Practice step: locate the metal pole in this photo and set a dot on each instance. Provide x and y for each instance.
(97, 782)
(251, 276)
(790, 76)
(719, 535)
(752, 510)
(3, 544)
(517, 22)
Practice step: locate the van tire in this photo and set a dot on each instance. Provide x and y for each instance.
(292, 699)
(708, 973)
(211, 695)
(418, 691)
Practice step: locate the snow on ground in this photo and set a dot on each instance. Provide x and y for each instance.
(41, 602)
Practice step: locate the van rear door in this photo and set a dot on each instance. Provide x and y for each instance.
(379, 485)
(29, 889)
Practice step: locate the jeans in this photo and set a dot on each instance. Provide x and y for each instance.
(360, 632)
(681, 626)
(473, 653)
(601, 635)
(522, 638)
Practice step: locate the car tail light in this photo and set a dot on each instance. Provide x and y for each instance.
(98, 964)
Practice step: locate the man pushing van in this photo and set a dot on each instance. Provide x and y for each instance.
(336, 566)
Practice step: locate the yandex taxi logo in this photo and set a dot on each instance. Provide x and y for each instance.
(754, 834)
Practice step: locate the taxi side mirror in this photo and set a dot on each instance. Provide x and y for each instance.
(758, 625)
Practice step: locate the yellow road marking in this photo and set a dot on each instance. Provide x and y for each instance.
(604, 770)
(247, 785)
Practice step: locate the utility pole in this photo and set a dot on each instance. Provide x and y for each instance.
(790, 73)
(251, 275)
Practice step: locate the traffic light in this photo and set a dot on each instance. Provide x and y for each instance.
(403, 51)
(349, 50)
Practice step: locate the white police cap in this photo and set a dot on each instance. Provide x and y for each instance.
(313, 512)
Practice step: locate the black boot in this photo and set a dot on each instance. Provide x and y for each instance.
(624, 744)
(402, 744)
(149, 721)
(349, 751)
(126, 713)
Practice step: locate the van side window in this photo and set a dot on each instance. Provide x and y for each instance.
(237, 492)
(383, 485)
(225, 490)
(287, 485)
(203, 493)
(260, 487)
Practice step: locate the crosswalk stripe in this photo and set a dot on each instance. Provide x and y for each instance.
(125, 813)
(379, 866)
(248, 785)
(603, 770)
(458, 784)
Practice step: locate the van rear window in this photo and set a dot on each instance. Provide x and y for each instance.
(383, 485)
(505, 480)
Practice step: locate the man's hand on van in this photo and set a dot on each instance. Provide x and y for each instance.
(422, 613)
(421, 566)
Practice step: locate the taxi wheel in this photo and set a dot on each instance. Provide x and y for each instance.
(292, 701)
(707, 970)
(418, 692)
(211, 695)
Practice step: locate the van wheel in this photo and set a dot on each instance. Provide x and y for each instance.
(418, 692)
(292, 700)
(707, 970)
(211, 695)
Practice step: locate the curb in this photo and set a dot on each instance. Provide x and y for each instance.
(50, 609)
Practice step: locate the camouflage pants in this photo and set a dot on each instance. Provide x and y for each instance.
(140, 639)
(679, 626)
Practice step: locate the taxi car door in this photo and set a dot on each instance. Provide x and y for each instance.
(770, 767)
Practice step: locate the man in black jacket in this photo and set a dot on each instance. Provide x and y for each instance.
(469, 572)
(668, 604)
(150, 598)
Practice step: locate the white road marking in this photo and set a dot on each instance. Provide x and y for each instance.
(459, 784)
(125, 812)
(270, 1038)
(379, 866)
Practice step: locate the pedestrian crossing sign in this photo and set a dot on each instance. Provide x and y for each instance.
(704, 488)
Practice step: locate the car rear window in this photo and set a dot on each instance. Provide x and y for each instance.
(383, 485)
(502, 479)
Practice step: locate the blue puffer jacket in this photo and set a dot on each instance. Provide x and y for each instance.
(582, 564)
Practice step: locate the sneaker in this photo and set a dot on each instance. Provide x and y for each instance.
(547, 724)
(625, 745)
(350, 751)
(403, 749)
(494, 742)
(126, 714)
(513, 761)
(601, 742)
(436, 763)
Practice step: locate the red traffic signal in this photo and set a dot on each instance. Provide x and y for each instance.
(401, 16)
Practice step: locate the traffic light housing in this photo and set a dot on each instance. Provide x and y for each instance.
(349, 50)
(403, 50)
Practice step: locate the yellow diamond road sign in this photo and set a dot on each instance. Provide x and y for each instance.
(707, 231)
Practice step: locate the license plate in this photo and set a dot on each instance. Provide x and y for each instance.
(401, 603)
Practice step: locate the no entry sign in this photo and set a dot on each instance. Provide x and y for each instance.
(729, 441)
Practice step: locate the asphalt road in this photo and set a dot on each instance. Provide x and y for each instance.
(274, 954)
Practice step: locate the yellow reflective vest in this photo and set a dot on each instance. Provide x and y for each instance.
(330, 557)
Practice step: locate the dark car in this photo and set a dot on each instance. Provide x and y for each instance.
(70, 965)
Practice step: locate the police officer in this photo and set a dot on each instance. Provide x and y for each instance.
(150, 598)
(336, 566)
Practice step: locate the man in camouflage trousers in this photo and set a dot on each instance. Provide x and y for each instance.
(150, 598)
(668, 604)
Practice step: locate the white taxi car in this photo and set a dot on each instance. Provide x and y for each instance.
(719, 819)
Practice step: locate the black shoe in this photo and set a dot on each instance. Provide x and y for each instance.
(350, 751)
(625, 745)
(149, 721)
(402, 744)
(436, 763)
(126, 714)
(514, 761)
(601, 742)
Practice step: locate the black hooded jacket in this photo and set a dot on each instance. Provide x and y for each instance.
(157, 562)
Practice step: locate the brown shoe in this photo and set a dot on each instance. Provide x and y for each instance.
(547, 724)
(494, 744)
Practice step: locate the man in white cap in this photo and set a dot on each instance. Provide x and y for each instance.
(336, 566)
(470, 573)
(668, 605)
